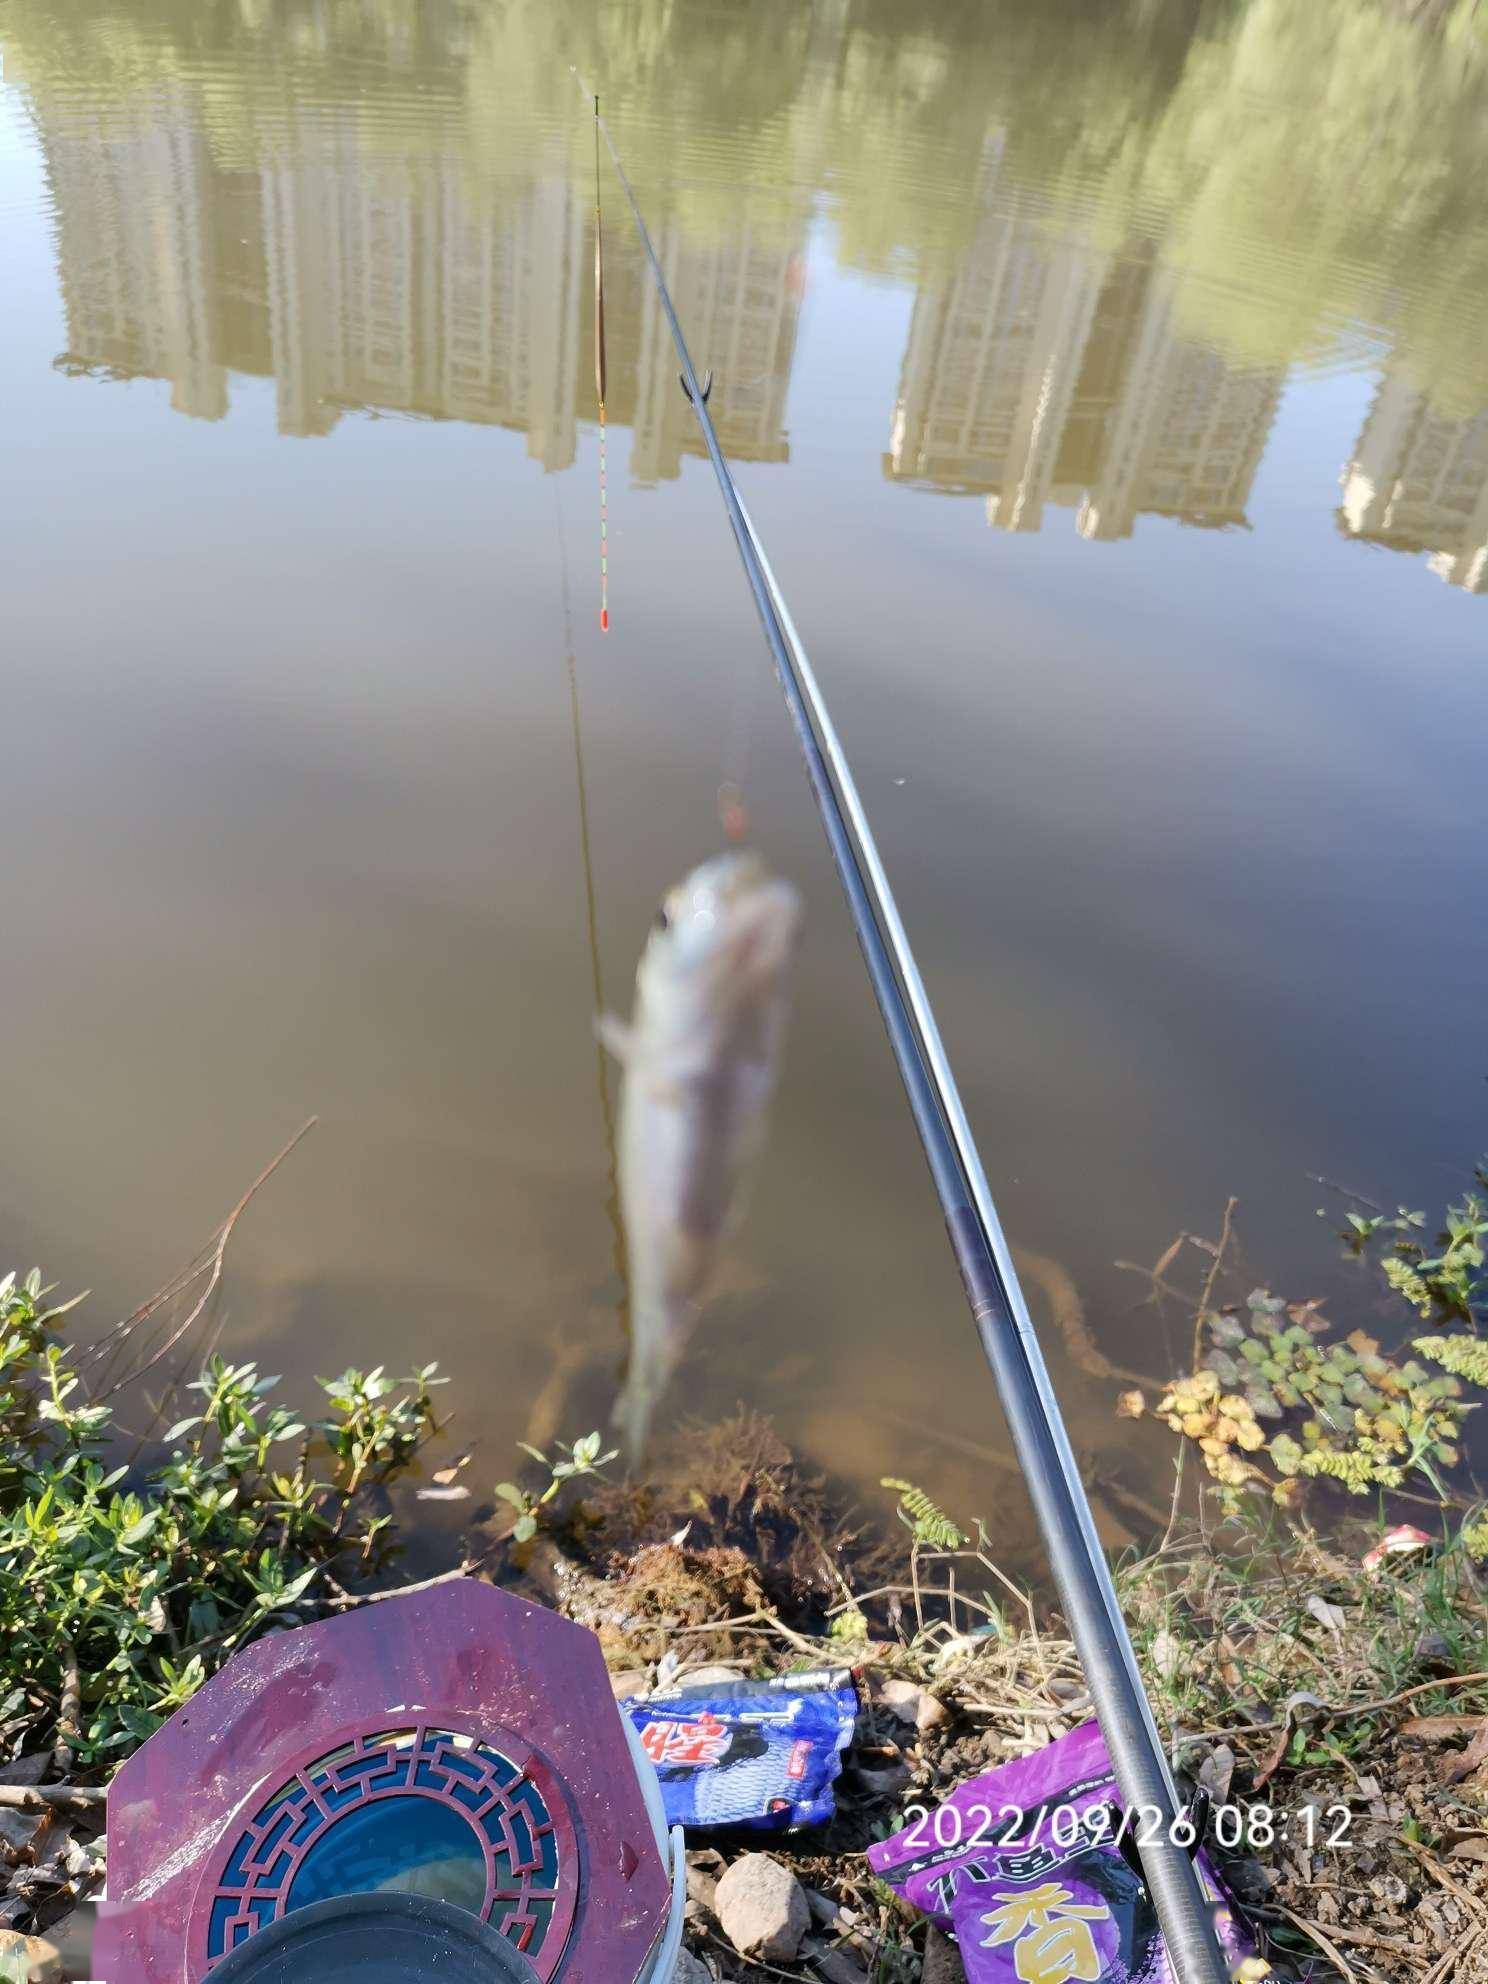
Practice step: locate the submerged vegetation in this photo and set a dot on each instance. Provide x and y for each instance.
(1277, 1395)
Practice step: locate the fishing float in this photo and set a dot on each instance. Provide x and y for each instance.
(999, 1309)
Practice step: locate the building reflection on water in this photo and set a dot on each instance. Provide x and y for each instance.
(382, 284)
(1418, 481)
(1038, 370)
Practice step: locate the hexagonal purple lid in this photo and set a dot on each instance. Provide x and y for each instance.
(458, 1742)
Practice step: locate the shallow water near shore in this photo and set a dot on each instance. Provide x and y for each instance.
(1107, 386)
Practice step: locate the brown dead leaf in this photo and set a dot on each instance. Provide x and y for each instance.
(1273, 1759)
(1308, 1315)
(1438, 1728)
(1463, 1763)
(1227, 1662)
(1166, 1259)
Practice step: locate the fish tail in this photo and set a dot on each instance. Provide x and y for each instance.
(632, 1415)
(647, 1377)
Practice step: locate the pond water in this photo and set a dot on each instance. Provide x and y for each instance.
(1107, 382)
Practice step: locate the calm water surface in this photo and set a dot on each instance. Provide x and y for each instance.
(1108, 384)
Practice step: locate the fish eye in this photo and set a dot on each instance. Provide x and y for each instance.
(662, 920)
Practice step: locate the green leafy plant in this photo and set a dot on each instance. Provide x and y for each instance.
(583, 1457)
(1352, 1413)
(1464, 1356)
(1340, 1408)
(927, 1523)
(133, 1584)
(1443, 1280)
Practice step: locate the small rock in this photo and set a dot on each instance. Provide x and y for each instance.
(42, 1964)
(942, 1960)
(634, 1681)
(762, 1908)
(704, 1868)
(1167, 1654)
(714, 1676)
(910, 1703)
(690, 1969)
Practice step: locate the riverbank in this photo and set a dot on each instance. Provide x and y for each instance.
(1319, 1666)
(1342, 1709)
(1337, 1707)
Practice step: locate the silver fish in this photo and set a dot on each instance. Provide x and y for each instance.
(699, 1057)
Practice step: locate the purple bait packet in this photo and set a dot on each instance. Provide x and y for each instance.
(1022, 1866)
(762, 1757)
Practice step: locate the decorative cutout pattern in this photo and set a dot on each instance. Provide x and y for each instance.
(523, 1838)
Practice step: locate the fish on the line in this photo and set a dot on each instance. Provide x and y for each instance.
(699, 1059)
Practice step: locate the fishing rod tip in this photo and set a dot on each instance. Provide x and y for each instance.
(604, 619)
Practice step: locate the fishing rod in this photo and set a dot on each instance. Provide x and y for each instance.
(998, 1306)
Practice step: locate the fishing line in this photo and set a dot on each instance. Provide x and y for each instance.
(599, 383)
(999, 1308)
(733, 814)
(591, 918)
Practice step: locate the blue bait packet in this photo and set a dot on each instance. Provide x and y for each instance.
(762, 1757)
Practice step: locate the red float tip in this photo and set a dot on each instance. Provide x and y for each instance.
(604, 619)
(733, 815)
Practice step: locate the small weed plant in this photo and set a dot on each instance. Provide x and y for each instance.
(570, 1464)
(130, 1584)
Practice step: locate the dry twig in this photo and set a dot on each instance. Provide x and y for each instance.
(1211, 1278)
(209, 1262)
(69, 1708)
